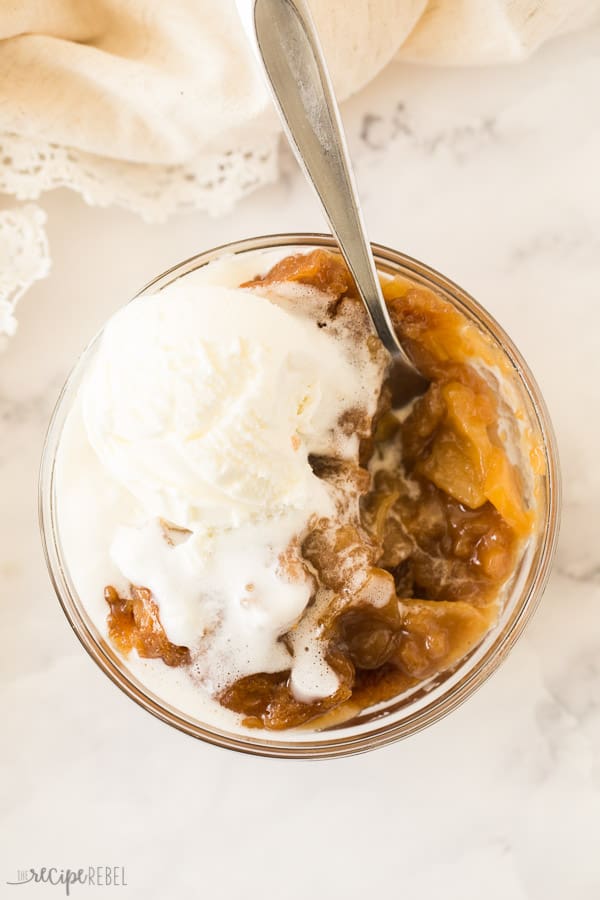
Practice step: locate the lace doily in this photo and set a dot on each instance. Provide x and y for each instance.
(24, 258)
(211, 182)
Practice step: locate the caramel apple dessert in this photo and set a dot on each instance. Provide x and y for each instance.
(254, 529)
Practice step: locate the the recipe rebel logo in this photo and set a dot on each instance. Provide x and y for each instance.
(91, 876)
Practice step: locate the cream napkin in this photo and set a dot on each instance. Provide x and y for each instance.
(157, 106)
(156, 82)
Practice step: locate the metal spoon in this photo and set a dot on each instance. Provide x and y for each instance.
(285, 41)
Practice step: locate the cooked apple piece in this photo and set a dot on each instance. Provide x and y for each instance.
(437, 633)
(134, 624)
(320, 269)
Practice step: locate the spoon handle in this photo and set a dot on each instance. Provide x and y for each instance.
(285, 40)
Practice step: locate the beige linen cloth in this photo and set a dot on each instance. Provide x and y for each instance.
(156, 105)
(171, 83)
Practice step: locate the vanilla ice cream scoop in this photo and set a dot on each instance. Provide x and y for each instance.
(199, 411)
(205, 402)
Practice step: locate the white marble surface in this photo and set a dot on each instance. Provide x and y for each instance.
(492, 177)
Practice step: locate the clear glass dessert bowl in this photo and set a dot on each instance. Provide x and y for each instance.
(404, 714)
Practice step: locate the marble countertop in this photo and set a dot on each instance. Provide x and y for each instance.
(491, 176)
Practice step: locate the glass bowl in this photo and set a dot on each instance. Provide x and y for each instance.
(403, 715)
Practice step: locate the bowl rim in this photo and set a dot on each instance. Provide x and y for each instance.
(326, 744)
